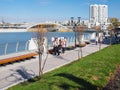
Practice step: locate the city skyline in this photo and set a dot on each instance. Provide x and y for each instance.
(51, 10)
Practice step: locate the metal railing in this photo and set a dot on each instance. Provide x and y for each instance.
(8, 48)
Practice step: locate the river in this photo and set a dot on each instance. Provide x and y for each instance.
(11, 40)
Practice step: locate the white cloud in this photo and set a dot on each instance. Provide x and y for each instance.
(102, 1)
(7, 0)
(87, 3)
(44, 2)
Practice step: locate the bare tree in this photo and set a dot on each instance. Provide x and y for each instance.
(110, 29)
(41, 36)
(79, 33)
(99, 35)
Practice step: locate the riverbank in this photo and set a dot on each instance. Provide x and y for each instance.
(12, 30)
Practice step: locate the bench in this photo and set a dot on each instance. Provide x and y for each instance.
(17, 58)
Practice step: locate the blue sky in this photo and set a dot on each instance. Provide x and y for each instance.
(42, 10)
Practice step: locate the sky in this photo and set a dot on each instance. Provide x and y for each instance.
(52, 10)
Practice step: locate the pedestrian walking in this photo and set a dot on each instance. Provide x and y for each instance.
(96, 39)
(64, 45)
(56, 47)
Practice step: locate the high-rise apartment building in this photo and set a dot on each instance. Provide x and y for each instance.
(102, 14)
(98, 14)
(93, 14)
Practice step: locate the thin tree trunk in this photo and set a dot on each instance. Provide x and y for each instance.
(99, 45)
(40, 66)
(78, 54)
(44, 62)
(111, 40)
(81, 52)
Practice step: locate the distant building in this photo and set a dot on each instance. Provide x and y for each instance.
(98, 15)
(102, 14)
(93, 14)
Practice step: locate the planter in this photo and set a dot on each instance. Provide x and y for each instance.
(50, 51)
(81, 45)
(87, 42)
(70, 48)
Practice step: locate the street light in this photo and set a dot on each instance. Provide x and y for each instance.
(78, 20)
(72, 21)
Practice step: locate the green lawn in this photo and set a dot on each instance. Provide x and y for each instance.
(89, 73)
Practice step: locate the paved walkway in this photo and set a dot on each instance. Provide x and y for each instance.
(17, 72)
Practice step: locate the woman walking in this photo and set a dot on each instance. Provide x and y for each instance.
(63, 45)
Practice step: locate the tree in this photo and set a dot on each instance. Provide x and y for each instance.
(41, 36)
(80, 33)
(114, 21)
(97, 28)
(110, 28)
(99, 35)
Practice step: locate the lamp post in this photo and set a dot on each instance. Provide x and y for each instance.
(78, 22)
(72, 21)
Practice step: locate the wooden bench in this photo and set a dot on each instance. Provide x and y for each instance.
(17, 58)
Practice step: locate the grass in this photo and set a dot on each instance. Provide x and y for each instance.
(89, 73)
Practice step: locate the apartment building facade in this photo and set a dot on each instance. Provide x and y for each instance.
(98, 15)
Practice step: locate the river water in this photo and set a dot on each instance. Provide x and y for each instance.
(11, 40)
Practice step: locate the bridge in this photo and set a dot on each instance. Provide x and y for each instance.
(49, 26)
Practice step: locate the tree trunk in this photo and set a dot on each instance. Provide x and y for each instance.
(78, 54)
(111, 40)
(99, 45)
(40, 66)
(80, 51)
